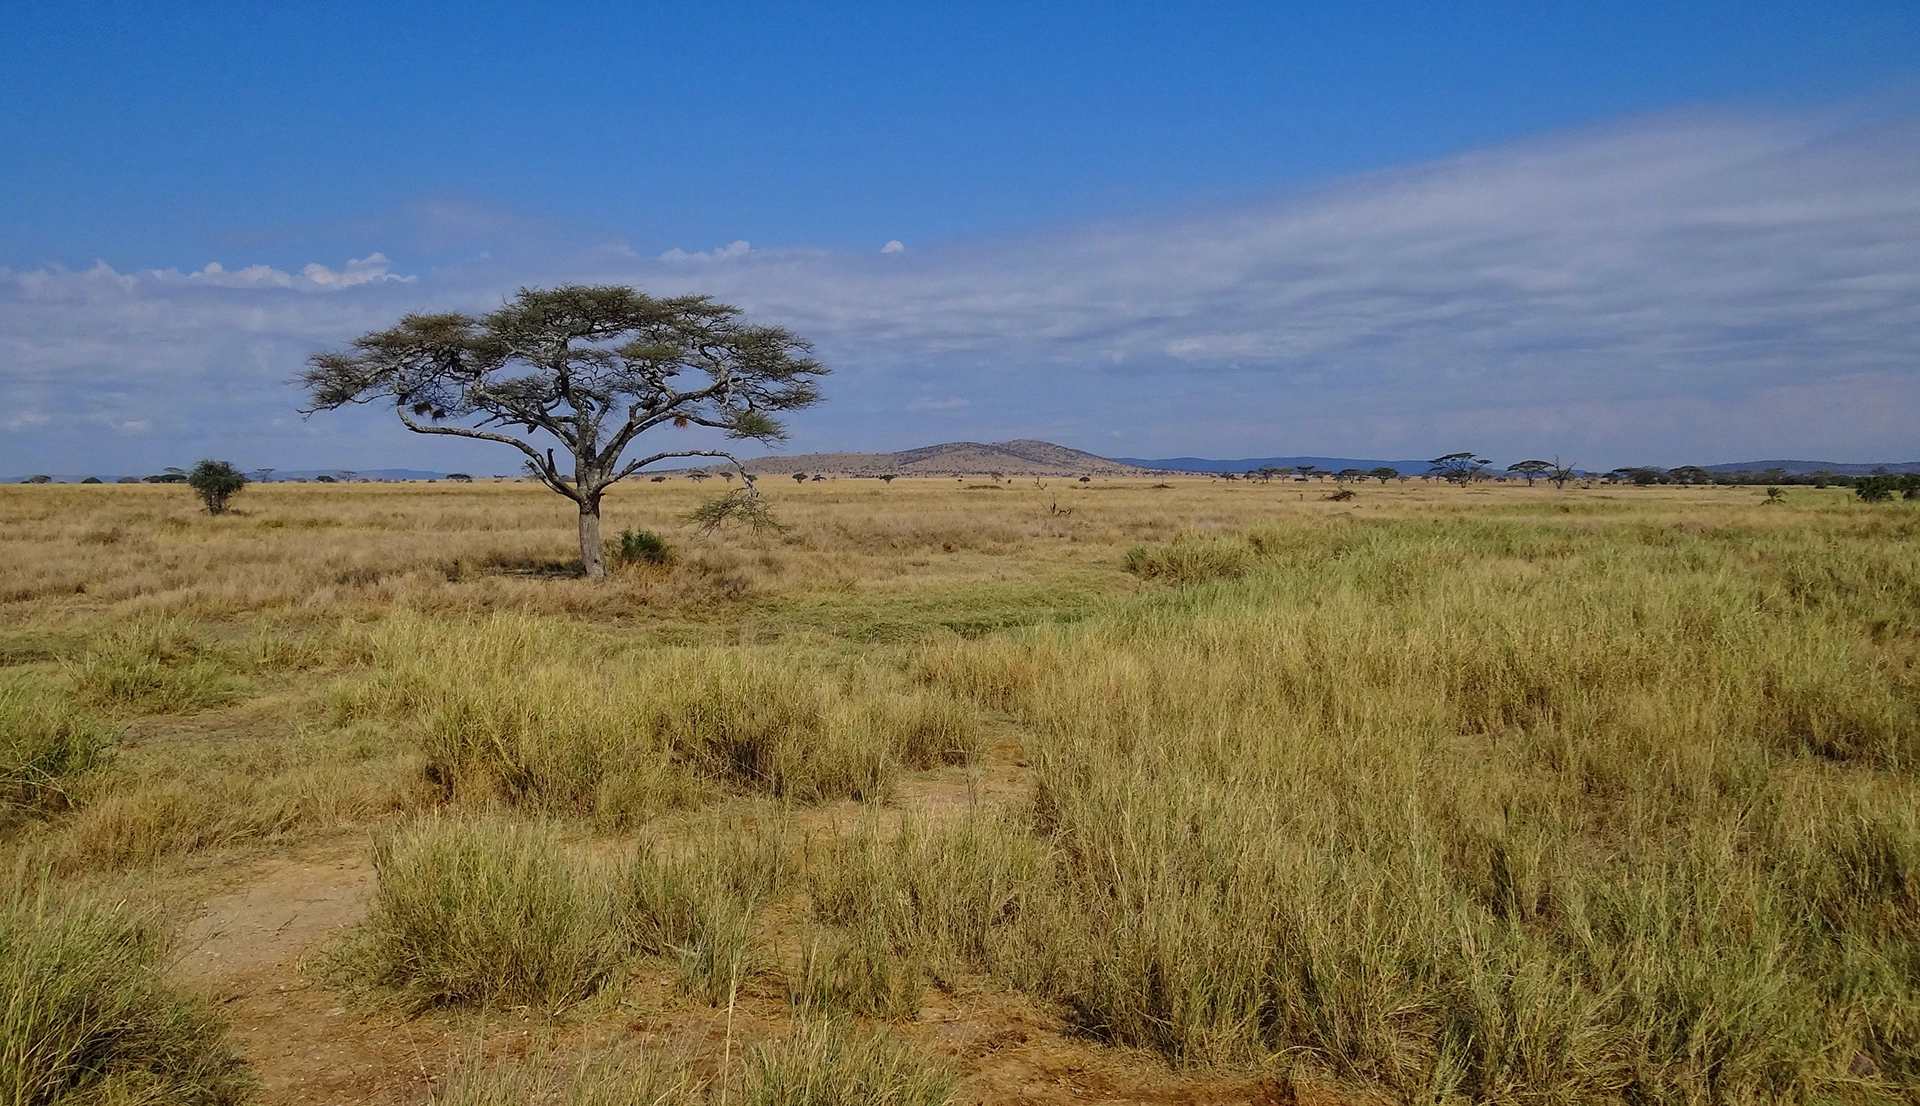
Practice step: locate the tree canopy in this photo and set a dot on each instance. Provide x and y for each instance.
(589, 368)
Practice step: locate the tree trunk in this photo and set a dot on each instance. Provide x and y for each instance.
(592, 558)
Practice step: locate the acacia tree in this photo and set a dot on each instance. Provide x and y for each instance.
(1458, 468)
(1531, 470)
(589, 367)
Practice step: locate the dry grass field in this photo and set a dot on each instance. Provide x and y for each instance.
(1135, 791)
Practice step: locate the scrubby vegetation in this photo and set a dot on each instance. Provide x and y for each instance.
(85, 1015)
(1448, 794)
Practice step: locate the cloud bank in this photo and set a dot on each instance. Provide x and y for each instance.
(1685, 288)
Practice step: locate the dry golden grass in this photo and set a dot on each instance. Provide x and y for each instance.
(1494, 794)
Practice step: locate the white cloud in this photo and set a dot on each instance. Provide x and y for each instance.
(738, 248)
(366, 270)
(894, 246)
(1688, 288)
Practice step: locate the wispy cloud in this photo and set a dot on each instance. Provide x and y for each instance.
(738, 248)
(1680, 288)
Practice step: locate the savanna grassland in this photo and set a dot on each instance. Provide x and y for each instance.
(953, 791)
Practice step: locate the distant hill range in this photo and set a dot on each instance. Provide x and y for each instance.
(1024, 457)
(1250, 464)
(1802, 468)
(1027, 457)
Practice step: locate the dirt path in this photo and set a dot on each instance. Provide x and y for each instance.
(247, 950)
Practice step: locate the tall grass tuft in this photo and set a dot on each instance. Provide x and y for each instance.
(155, 667)
(524, 710)
(597, 1081)
(1189, 558)
(44, 743)
(485, 911)
(86, 1017)
(698, 907)
(828, 1063)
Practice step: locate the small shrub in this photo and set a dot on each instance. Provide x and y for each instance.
(93, 480)
(86, 1016)
(488, 912)
(216, 482)
(636, 547)
(830, 1064)
(1876, 489)
(44, 742)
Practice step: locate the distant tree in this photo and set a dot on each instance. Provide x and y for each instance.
(1459, 468)
(323, 478)
(658, 478)
(128, 480)
(1641, 475)
(168, 476)
(40, 478)
(1558, 474)
(1876, 489)
(1690, 474)
(1086, 479)
(1306, 472)
(698, 475)
(887, 477)
(799, 477)
(819, 477)
(1345, 475)
(1384, 473)
(460, 477)
(260, 476)
(216, 482)
(592, 368)
(93, 480)
(1530, 470)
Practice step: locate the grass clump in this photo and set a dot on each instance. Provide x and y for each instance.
(162, 667)
(86, 1017)
(521, 710)
(1189, 559)
(597, 1081)
(697, 908)
(45, 741)
(485, 911)
(830, 1064)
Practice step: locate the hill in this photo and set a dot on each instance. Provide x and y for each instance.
(1802, 468)
(1023, 457)
(1249, 464)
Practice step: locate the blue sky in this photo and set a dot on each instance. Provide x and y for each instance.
(1629, 232)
